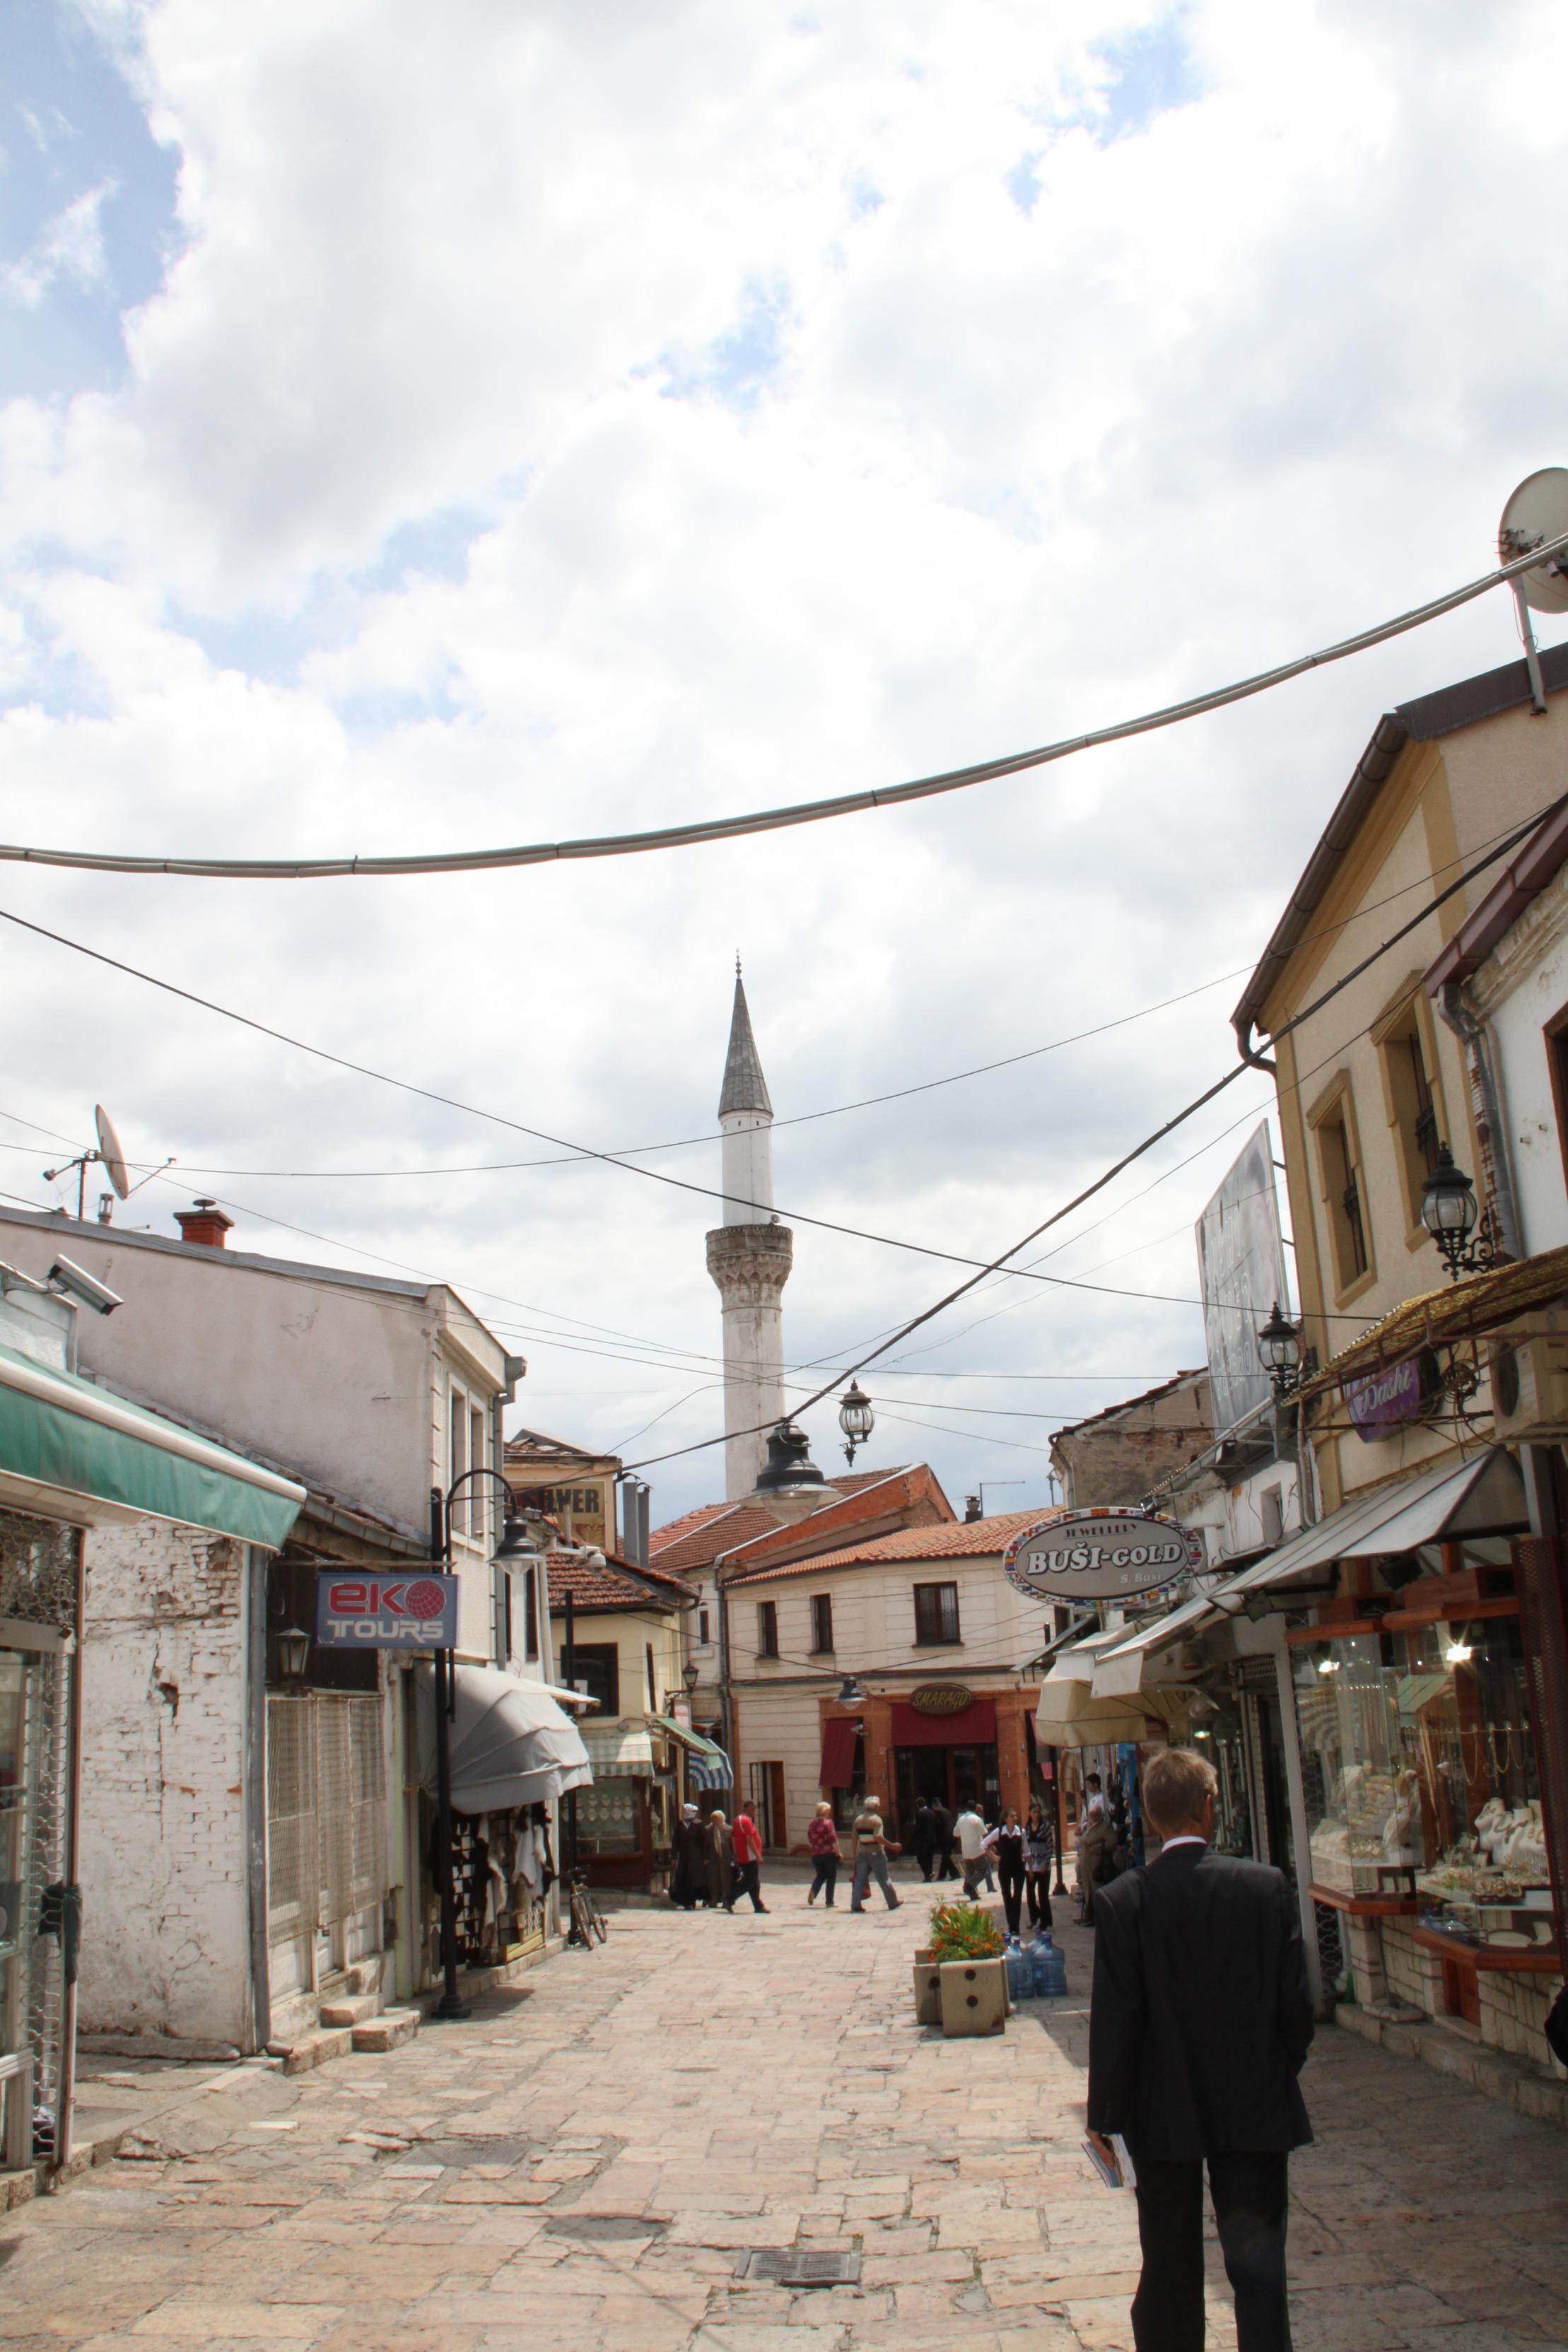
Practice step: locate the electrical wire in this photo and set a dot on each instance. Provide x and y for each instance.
(774, 820)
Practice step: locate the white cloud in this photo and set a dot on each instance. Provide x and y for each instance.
(557, 420)
(69, 245)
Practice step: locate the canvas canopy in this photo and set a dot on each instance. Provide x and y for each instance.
(512, 1743)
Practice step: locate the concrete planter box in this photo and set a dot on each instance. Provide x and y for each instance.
(928, 1991)
(973, 1995)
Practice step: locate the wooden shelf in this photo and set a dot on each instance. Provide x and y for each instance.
(1365, 1907)
(1536, 1960)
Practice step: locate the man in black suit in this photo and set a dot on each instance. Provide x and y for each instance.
(1200, 2024)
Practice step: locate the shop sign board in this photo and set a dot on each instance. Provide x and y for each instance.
(942, 1698)
(1241, 1273)
(1101, 1555)
(1381, 1401)
(359, 1612)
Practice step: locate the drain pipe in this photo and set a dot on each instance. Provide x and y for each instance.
(1486, 1102)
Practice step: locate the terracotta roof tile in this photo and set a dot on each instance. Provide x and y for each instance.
(618, 1584)
(697, 1540)
(957, 1539)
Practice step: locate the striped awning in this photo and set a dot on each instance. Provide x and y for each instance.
(714, 1771)
(619, 1750)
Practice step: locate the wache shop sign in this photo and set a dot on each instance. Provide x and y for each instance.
(357, 1612)
(1100, 1556)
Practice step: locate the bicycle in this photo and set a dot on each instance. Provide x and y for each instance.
(587, 1921)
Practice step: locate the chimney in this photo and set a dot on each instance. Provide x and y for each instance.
(204, 1223)
(972, 1510)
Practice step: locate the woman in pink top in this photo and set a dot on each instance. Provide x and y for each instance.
(748, 1865)
(822, 1837)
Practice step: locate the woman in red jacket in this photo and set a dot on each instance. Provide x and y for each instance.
(748, 1865)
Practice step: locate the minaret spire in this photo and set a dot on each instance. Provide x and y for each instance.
(748, 1258)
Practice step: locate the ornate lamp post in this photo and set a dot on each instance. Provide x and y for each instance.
(1279, 1351)
(1449, 1213)
(856, 1419)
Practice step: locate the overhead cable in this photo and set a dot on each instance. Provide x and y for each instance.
(776, 820)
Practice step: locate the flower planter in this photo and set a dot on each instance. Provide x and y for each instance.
(928, 1993)
(973, 1995)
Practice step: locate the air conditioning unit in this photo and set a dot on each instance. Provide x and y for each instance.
(1530, 1386)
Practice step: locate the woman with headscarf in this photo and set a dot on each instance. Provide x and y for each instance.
(688, 1875)
(718, 1861)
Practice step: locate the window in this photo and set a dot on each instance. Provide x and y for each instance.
(1339, 1176)
(598, 1672)
(936, 1613)
(704, 1636)
(1557, 1063)
(477, 1462)
(531, 1614)
(821, 1621)
(1414, 1110)
(457, 1446)
(509, 1631)
(767, 1629)
(652, 1685)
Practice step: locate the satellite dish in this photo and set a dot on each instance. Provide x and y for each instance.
(1537, 511)
(109, 1152)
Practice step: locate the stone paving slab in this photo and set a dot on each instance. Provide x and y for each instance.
(592, 2165)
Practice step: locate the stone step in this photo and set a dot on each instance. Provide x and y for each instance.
(314, 2048)
(350, 2009)
(390, 2030)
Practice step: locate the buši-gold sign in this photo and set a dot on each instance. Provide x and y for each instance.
(942, 1698)
(1100, 1556)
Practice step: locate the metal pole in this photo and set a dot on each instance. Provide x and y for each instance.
(69, 1928)
(569, 1675)
(1061, 1886)
(451, 2005)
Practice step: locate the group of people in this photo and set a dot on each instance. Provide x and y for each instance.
(716, 1861)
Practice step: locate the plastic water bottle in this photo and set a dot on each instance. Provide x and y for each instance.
(1019, 1983)
(1048, 1969)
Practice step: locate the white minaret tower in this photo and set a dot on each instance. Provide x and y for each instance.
(748, 1258)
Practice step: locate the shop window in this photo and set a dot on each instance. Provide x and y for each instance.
(936, 1613)
(1339, 1181)
(767, 1629)
(821, 1621)
(598, 1672)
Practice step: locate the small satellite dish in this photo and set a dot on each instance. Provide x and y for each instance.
(1537, 511)
(109, 1152)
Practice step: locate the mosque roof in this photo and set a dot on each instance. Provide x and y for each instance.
(745, 1088)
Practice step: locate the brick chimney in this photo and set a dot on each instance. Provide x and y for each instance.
(203, 1222)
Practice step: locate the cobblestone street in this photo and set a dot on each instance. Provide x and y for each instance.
(589, 2159)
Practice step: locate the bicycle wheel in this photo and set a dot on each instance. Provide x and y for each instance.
(582, 1917)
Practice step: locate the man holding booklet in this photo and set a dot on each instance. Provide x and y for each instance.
(1200, 2022)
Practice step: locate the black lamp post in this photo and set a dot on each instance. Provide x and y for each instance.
(518, 1541)
(856, 1419)
(690, 1677)
(1279, 1352)
(1450, 1214)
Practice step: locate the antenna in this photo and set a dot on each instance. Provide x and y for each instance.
(111, 1154)
(111, 1157)
(1537, 511)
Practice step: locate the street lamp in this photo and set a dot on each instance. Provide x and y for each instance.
(1450, 1213)
(856, 1419)
(850, 1693)
(294, 1654)
(690, 1677)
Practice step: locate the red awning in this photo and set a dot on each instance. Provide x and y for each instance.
(839, 1735)
(976, 1728)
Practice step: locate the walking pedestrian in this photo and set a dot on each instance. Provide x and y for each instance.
(1096, 1847)
(822, 1838)
(1199, 2024)
(748, 1879)
(718, 1861)
(689, 1875)
(1038, 1849)
(942, 1839)
(1009, 1852)
(869, 1847)
(971, 1833)
(923, 1838)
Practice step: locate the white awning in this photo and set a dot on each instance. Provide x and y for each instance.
(1482, 1496)
(619, 1750)
(512, 1743)
(1120, 1671)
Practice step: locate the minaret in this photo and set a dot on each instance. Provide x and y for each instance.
(749, 1258)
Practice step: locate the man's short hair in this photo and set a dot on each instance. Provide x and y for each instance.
(1093, 1782)
(1176, 1786)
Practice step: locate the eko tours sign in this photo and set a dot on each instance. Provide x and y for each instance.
(1103, 1555)
(356, 1611)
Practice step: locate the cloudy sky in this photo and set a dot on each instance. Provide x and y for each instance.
(424, 429)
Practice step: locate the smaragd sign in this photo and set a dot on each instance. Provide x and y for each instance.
(1102, 1555)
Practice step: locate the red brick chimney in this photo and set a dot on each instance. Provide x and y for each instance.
(203, 1222)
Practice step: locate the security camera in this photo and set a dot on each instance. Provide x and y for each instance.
(84, 1287)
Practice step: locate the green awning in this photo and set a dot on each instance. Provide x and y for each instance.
(689, 1739)
(70, 1438)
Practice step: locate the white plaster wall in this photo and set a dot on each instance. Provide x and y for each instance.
(1523, 985)
(748, 1165)
(165, 1938)
(873, 1619)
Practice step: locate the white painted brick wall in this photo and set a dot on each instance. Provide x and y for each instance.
(165, 1941)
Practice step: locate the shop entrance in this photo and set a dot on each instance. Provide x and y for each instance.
(961, 1776)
